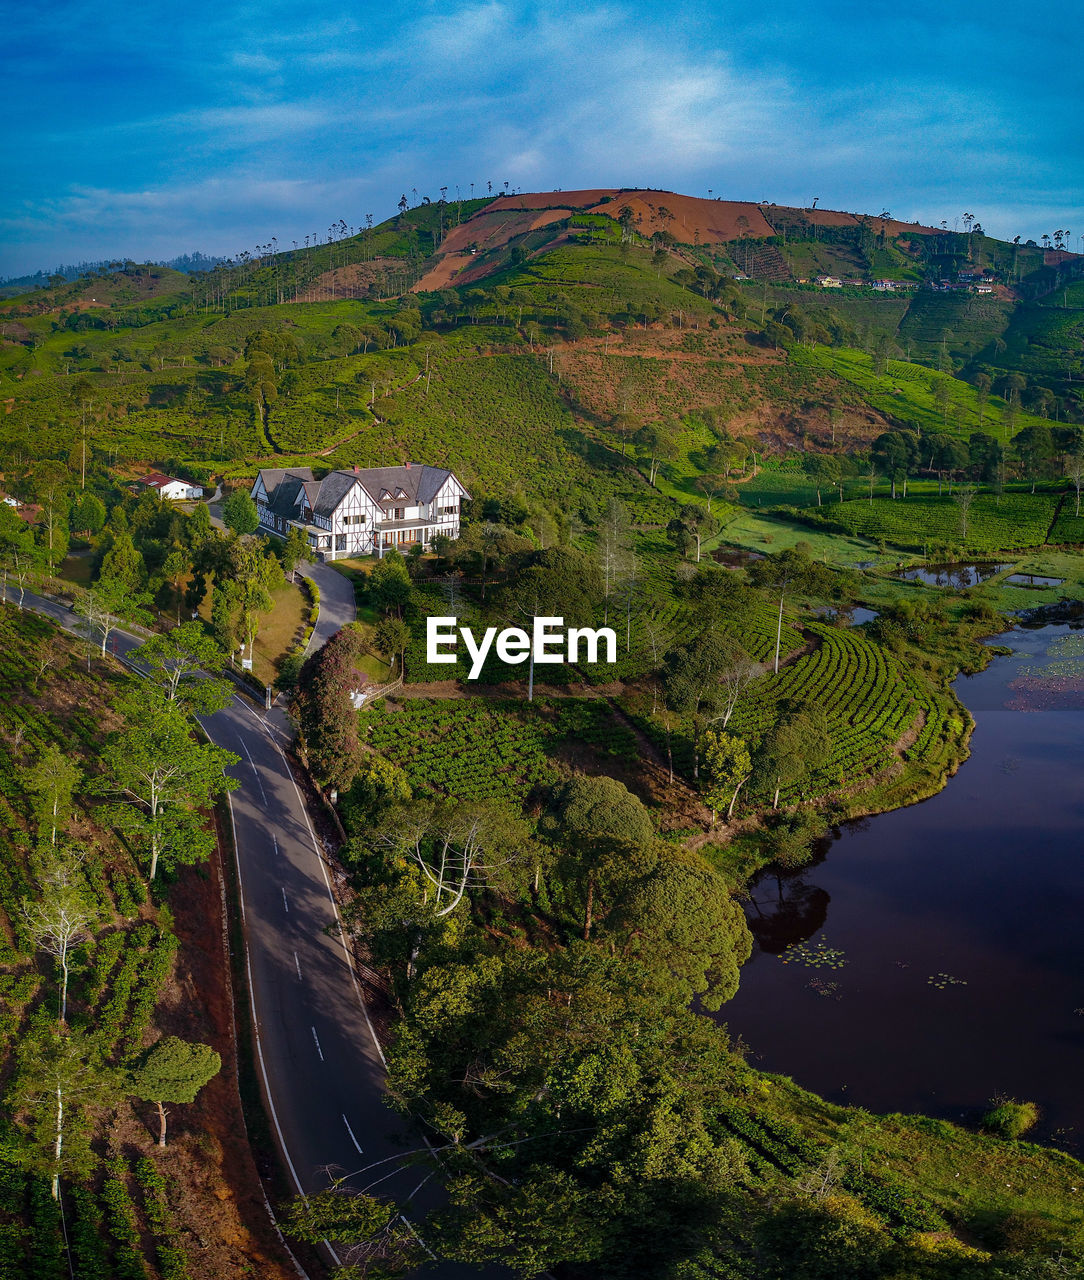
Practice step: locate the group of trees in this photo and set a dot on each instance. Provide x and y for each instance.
(1036, 453)
(158, 780)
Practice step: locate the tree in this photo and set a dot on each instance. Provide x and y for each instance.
(57, 1075)
(50, 484)
(173, 1070)
(453, 846)
(168, 776)
(948, 455)
(295, 550)
(174, 568)
(693, 686)
(557, 582)
(18, 553)
(683, 926)
(963, 498)
(88, 514)
(123, 563)
(239, 513)
(378, 1239)
(389, 585)
(657, 444)
(108, 603)
(896, 453)
(58, 920)
(244, 591)
(178, 662)
(323, 705)
(261, 382)
(690, 527)
(796, 746)
(391, 638)
(1035, 448)
(490, 539)
(737, 671)
(614, 547)
(727, 766)
(786, 572)
(824, 470)
(605, 830)
(1075, 471)
(52, 780)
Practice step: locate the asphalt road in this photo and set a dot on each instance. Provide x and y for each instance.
(321, 1068)
(336, 602)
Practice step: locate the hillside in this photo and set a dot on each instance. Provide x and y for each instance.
(617, 330)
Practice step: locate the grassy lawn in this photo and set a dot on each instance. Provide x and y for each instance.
(280, 630)
(744, 528)
(77, 569)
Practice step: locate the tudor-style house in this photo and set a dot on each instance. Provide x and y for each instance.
(362, 512)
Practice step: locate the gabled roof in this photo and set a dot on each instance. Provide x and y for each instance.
(418, 484)
(282, 485)
(283, 501)
(413, 485)
(333, 489)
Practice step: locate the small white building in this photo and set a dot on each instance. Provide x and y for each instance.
(167, 487)
(366, 511)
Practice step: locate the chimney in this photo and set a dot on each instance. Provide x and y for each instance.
(356, 468)
(408, 466)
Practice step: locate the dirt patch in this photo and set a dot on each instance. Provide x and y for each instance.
(355, 280)
(487, 231)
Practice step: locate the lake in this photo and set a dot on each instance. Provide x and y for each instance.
(937, 954)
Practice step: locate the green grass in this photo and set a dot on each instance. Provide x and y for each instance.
(907, 393)
(1015, 520)
(768, 534)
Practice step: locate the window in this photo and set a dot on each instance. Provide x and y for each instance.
(340, 542)
(400, 513)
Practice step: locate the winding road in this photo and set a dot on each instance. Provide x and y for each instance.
(321, 1068)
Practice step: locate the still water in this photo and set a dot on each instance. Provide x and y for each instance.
(954, 575)
(938, 951)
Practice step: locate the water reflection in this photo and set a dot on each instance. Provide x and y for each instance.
(958, 576)
(1033, 580)
(784, 909)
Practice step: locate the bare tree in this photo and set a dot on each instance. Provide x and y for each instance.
(964, 497)
(736, 675)
(1075, 472)
(453, 846)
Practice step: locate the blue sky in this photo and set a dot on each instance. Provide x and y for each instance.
(152, 129)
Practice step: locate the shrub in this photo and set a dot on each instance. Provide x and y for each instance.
(1009, 1118)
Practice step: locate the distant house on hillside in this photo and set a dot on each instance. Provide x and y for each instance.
(362, 512)
(830, 282)
(167, 487)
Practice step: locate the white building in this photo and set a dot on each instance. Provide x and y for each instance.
(167, 487)
(362, 512)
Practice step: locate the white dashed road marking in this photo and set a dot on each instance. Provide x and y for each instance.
(252, 763)
(352, 1138)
